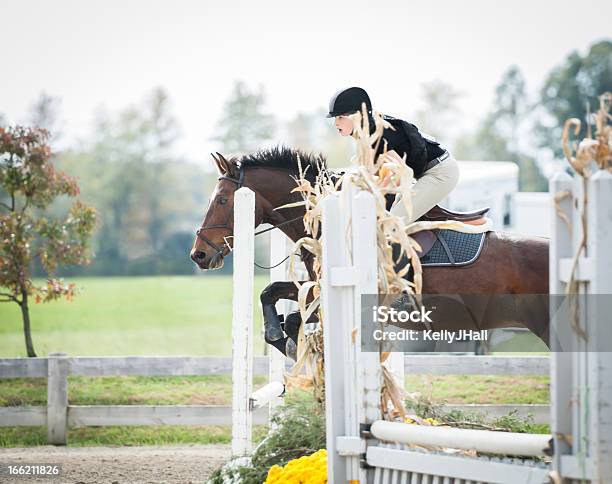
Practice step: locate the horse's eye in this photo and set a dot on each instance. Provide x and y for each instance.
(222, 201)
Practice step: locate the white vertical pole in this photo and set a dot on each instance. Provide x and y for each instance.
(336, 306)
(579, 398)
(242, 320)
(352, 378)
(368, 373)
(351, 336)
(369, 377)
(561, 361)
(599, 332)
(396, 365)
(279, 247)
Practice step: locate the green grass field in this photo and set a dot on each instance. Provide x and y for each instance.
(216, 390)
(183, 315)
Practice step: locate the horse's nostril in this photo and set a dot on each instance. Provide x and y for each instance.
(198, 255)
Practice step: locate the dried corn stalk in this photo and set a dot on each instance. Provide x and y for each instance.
(598, 149)
(379, 175)
(586, 157)
(310, 349)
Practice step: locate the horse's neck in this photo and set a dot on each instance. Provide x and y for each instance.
(273, 189)
(294, 230)
(277, 193)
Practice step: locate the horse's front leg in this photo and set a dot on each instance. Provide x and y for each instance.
(269, 296)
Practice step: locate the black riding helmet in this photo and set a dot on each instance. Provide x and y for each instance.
(348, 101)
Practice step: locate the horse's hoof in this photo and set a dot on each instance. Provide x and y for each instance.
(291, 349)
(273, 333)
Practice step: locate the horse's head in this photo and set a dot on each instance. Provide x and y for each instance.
(214, 239)
(271, 174)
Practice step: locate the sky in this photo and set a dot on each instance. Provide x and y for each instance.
(109, 55)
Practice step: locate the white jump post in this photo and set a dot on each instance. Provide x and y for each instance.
(244, 400)
(279, 246)
(600, 361)
(352, 378)
(581, 370)
(242, 320)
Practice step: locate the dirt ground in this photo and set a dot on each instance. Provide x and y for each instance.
(101, 465)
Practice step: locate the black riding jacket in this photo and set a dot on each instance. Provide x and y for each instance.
(406, 139)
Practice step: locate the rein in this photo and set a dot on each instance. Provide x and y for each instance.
(278, 225)
(219, 250)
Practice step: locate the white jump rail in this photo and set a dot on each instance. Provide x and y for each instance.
(505, 443)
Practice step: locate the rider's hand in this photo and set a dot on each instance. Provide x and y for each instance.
(385, 173)
(393, 157)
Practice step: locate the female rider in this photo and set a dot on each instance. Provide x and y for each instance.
(435, 169)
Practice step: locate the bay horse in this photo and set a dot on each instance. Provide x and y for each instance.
(508, 264)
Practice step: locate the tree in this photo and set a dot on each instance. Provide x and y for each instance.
(572, 88)
(512, 107)
(439, 113)
(128, 179)
(244, 124)
(147, 197)
(29, 183)
(502, 133)
(314, 132)
(300, 131)
(161, 130)
(44, 113)
(486, 143)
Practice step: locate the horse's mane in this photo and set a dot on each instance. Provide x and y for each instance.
(287, 159)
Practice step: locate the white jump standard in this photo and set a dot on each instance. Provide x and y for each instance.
(244, 400)
(580, 380)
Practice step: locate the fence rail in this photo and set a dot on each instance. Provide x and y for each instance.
(212, 365)
(127, 366)
(58, 415)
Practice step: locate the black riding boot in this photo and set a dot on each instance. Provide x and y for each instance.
(272, 324)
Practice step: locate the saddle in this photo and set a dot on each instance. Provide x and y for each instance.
(427, 238)
(438, 213)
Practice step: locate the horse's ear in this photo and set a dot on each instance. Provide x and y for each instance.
(229, 166)
(218, 165)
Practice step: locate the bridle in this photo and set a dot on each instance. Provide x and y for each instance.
(226, 225)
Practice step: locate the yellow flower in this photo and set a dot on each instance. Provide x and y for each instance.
(308, 469)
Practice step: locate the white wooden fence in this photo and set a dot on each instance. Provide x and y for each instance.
(59, 414)
(581, 379)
